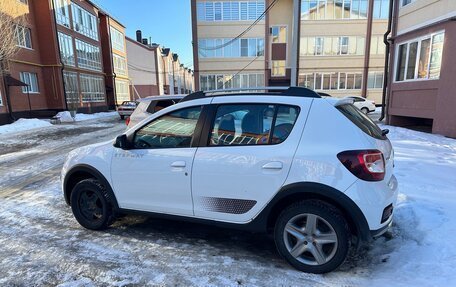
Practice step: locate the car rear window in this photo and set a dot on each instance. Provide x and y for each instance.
(361, 120)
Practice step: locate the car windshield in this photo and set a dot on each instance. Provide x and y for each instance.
(129, 103)
(361, 120)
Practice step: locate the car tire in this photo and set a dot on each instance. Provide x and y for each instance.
(313, 252)
(365, 111)
(122, 117)
(92, 205)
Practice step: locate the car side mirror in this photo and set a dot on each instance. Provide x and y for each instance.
(121, 142)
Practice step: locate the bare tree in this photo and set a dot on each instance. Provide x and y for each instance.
(12, 15)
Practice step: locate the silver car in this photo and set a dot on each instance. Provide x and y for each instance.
(150, 105)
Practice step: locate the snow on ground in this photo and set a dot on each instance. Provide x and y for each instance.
(23, 125)
(85, 117)
(42, 244)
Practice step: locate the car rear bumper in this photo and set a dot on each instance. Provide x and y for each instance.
(125, 113)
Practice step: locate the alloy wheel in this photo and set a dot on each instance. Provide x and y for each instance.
(310, 239)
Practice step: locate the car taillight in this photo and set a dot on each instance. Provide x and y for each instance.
(127, 121)
(367, 165)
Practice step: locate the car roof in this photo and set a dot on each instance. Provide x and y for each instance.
(161, 97)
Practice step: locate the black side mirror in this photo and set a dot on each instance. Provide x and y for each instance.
(385, 132)
(121, 142)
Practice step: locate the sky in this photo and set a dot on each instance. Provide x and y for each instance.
(167, 22)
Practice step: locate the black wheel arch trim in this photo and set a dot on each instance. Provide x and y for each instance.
(84, 168)
(312, 190)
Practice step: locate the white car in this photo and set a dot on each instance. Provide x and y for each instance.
(126, 108)
(150, 105)
(315, 172)
(365, 105)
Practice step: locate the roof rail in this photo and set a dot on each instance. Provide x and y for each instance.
(285, 91)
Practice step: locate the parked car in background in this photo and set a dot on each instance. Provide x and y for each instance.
(365, 105)
(150, 105)
(126, 108)
(315, 172)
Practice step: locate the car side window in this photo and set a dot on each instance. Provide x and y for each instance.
(251, 124)
(156, 106)
(173, 130)
(285, 120)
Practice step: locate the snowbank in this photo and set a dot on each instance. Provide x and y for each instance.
(24, 125)
(85, 117)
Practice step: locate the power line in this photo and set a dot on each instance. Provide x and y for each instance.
(244, 32)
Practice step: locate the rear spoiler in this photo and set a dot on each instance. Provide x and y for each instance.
(344, 101)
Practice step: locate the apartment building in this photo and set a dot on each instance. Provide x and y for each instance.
(114, 60)
(155, 70)
(423, 67)
(341, 49)
(66, 59)
(334, 46)
(36, 64)
(143, 63)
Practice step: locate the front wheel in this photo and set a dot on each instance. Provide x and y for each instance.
(92, 205)
(312, 236)
(365, 111)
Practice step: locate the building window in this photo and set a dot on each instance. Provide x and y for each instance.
(332, 46)
(88, 56)
(331, 81)
(120, 65)
(342, 46)
(278, 69)
(66, 48)
(381, 9)
(279, 34)
(229, 10)
(92, 88)
(70, 80)
(406, 2)
(122, 91)
(84, 22)
(377, 46)
(61, 12)
(117, 39)
(23, 37)
(31, 80)
(318, 46)
(227, 48)
(375, 80)
(420, 58)
(334, 9)
(212, 82)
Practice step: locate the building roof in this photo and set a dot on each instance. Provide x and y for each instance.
(102, 11)
(165, 51)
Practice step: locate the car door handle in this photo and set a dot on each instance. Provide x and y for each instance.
(273, 165)
(178, 164)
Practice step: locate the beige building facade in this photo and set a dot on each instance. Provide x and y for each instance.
(332, 46)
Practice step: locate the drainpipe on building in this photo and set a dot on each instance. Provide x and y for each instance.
(294, 43)
(387, 55)
(114, 75)
(370, 16)
(60, 55)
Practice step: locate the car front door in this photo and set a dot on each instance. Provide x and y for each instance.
(247, 157)
(154, 173)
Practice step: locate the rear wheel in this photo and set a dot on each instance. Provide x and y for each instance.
(365, 110)
(312, 236)
(91, 205)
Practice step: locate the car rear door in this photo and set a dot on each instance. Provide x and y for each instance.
(246, 157)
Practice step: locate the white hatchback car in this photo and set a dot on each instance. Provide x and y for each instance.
(315, 172)
(150, 105)
(365, 105)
